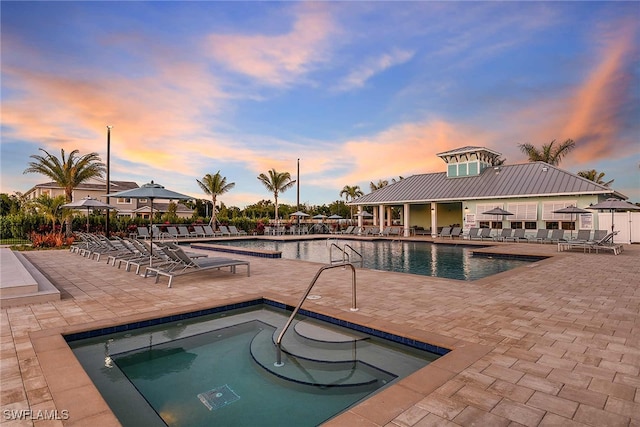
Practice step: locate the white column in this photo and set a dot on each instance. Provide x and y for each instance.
(434, 220)
(360, 217)
(406, 219)
(389, 221)
(381, 214)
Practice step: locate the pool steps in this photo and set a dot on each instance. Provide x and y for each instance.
(316, 356)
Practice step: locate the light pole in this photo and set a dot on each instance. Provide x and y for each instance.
(108, 175)
(298, 197)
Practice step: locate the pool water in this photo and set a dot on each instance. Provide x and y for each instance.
(438, 260)
(203, 372)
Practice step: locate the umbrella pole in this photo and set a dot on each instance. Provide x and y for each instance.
(151, 235)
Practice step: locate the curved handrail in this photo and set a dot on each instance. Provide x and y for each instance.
(353, 251)
(306, 294)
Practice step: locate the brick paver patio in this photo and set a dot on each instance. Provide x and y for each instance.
(555, 343)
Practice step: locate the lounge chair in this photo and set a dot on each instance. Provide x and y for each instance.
(518, 235)
(605, 243)
(473, 233)
(208, 231)
(235, 232)
(542, 235)
(506, 232)
(183, 231)
(173, 232)
(184, 265)
(599, 235)
(198, 231)
(485, 233)
(446, 232)
(557, 236)
(224, 231)
(142, 233)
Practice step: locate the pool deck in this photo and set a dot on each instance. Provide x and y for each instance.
(553, 343)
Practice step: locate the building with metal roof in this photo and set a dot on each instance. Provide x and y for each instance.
(475, 181)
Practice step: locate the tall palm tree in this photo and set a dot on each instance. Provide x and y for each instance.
(381, 183)
(68, 172)
(214, 186)
(350, 192)
(595, 176)
(276, 182)
(549, 153)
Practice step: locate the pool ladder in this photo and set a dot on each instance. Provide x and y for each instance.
(347, 253)
(354, 307)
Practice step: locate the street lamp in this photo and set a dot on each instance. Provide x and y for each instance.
(108, 175)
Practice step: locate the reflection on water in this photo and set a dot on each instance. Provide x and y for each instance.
(441, 260)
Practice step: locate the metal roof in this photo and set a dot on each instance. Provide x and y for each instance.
(536, 179)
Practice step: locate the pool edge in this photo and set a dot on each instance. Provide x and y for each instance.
(67, 379)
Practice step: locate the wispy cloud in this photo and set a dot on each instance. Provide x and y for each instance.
(281, 59)
(369, 68)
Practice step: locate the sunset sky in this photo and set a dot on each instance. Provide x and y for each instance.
(358, 91)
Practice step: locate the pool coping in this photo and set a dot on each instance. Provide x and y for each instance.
(67, 379)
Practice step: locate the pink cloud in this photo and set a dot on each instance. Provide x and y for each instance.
(278, 59)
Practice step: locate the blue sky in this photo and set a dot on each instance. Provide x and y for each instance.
(358, 91)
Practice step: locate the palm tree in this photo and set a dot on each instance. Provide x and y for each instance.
(381, 183)
(276, 182)
(67, 172)
(595, 176)
(214, 186)
(351, 192)
(548, 153)
(50, 207)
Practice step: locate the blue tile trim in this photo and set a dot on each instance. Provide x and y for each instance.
(441, 351)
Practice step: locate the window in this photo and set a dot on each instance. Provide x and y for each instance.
(552, 225)
(122, 201)
(549, 207)
(530, 225)
(516, 224)
(523, 211)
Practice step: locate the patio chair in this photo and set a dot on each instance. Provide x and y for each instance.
(183, 231)
(542, 235)
(184, 265)
(198, 231)
(599, 234)
(173, 232)
(208, 231)
(224, 231)
(518, 235)
(484, 233)
(473, 233)
(446, 232)
(506, 232)
(235, 232)
(348, 230)
(557, 236)
(142, 233)
(605, 243)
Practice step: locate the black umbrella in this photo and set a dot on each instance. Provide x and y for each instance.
(571, 210)
(613, 205)
(88, 203)
(150, 191)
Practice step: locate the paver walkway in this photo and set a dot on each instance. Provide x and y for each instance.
(553, 343)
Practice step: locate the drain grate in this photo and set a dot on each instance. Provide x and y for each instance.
(218, 397)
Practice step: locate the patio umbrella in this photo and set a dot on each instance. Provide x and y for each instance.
(334, 216)
(364, 214)
(498, 212)
(88, 203)
(571, 210)
(319, 216)
(299, 214)
(613, 205)
(150, 191)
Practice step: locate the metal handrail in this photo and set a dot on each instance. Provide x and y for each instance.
(304, 297)
(345, 256)
(355, 252)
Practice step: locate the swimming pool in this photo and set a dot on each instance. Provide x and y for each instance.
(218, 369)
(452, 261)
